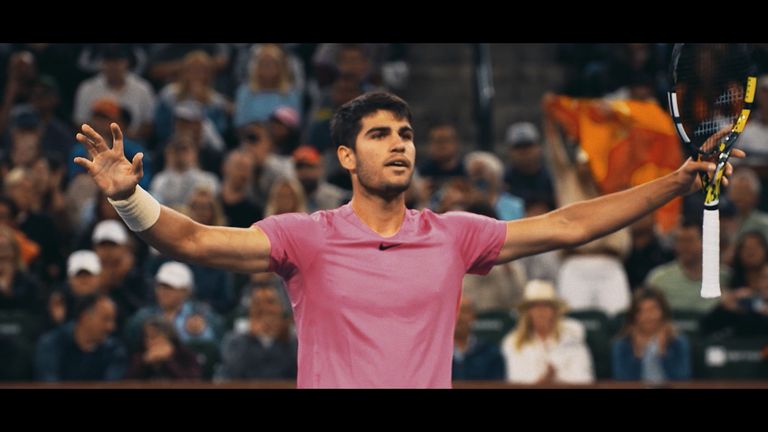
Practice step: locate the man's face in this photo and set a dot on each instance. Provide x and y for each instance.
(238, 168)
(443, 143)
(265, 302)
(309, 175)
(25, 148)
(352, 62)
(286, 200)
(84, 283)
(255, 140)
(169, 298)
(526, 158)
(22, 192)
(743, 196)
(99, 322)
(688, 245)
(384, 157)
(110, 254)
(115, 69)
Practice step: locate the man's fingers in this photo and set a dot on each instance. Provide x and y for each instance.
(83, 162)
(89, 145)
(138, 166)
(117, 138)
(96, 140)
(738, 153)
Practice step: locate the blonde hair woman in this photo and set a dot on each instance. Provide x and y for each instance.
(203, 207)
(546, 347)
(195, 84)
(286, 196)
(269, 86)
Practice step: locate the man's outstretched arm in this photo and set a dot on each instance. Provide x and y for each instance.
(172, 233)
(581, 222)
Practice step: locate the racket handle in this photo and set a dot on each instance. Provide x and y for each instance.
(710, 265)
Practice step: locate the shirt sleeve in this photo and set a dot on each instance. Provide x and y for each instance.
(479, 239)
(289, 235)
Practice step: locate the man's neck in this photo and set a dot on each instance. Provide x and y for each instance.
(384, 216)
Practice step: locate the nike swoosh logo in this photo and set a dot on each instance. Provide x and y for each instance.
(382, 247)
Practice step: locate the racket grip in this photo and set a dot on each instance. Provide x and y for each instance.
(710, 265)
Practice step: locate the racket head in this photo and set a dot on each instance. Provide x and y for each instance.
(713, 87)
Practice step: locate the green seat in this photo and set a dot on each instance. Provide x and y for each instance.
(599, 331)
(734, 358)
(492, 326)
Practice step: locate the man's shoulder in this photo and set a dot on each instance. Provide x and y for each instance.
(663, 271)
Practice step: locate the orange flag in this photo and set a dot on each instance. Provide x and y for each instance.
(629, 142)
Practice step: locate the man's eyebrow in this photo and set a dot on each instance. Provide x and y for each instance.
(378, 129)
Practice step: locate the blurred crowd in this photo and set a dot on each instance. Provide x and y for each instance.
(234, 133)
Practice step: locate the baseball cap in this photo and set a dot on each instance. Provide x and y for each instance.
(307, 155)
(110, 230)
(521, 133)
(83, 260)
(176, 275)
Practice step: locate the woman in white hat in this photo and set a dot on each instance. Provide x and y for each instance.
(546, 347)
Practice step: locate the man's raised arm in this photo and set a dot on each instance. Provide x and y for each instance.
(237, 249)
(584, 221)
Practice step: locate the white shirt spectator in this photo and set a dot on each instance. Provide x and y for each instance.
(137, 96)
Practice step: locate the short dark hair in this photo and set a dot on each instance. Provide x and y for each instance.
(86, 303)
(346, 122)
(642, 294)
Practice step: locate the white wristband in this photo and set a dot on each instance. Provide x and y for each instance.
(139, 211)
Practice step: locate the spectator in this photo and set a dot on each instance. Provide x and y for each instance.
(320, 194)
(83, 350)
(265, 348)
(649, 348)
(174, 185)
(162, 355)
(680, 280)
(269, 86)
(116, 81)
(545, 347)
(526, 174)
(83, 270)
(474, 359)
(105, 111)
(121, 277)
(286, 196)
(235, 194)
(193, 321)
(444, 159)
(194, 84)
(486, 172)
(744, 192)
(647, 252)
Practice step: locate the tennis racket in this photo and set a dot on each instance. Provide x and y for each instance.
(710, 101)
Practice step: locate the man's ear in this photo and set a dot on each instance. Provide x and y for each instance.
(347, 157)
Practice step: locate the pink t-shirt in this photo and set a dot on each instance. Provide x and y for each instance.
(375, 311)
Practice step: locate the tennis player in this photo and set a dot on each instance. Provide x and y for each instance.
(374, 286)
